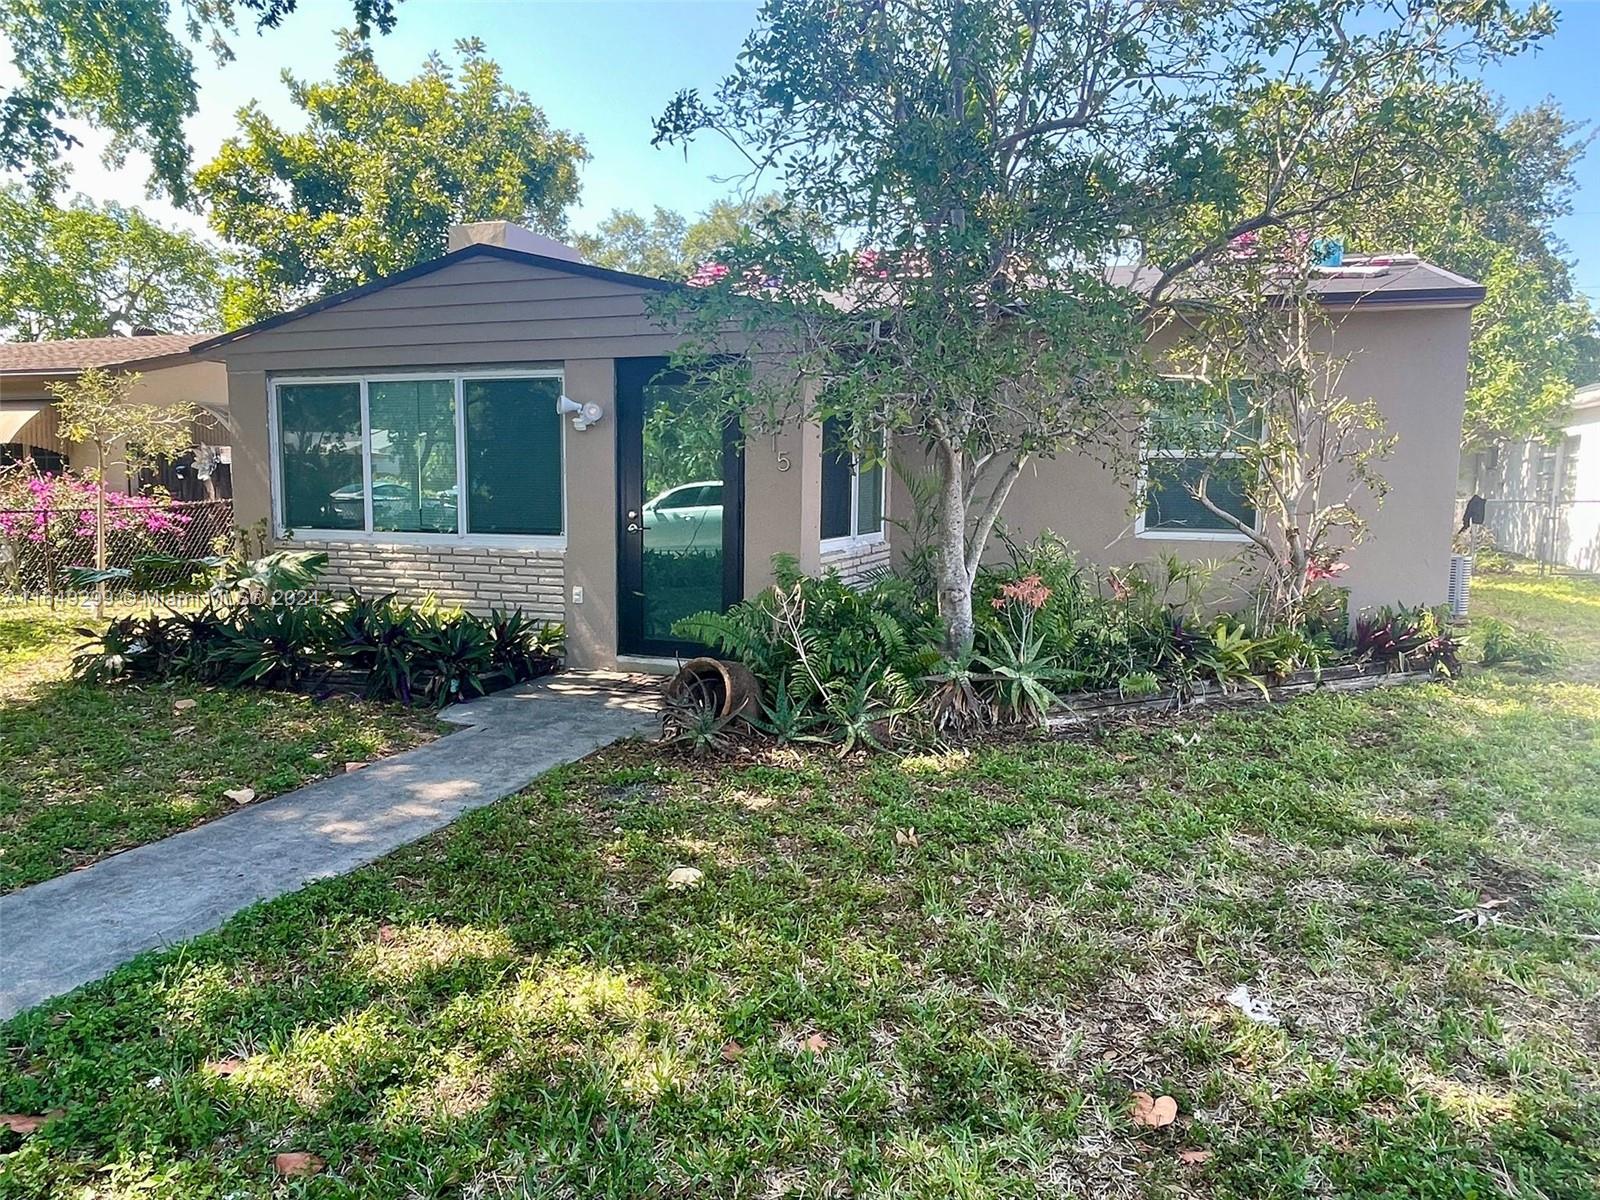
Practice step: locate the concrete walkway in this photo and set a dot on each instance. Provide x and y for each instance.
(75, 928)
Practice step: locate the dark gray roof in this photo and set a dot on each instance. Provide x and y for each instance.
(1365, 281)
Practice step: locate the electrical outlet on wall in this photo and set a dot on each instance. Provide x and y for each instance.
(577, 594)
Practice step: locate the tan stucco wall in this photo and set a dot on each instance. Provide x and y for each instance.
(591, 557)
(1411, 362)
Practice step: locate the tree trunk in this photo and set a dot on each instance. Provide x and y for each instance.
(100, 535)
(954, 582)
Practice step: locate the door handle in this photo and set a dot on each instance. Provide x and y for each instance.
(633, 527)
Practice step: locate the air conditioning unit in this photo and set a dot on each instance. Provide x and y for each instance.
(1460, 585)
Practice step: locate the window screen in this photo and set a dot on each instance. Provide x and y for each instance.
(1171, 505)
(869, 503)
(852, 501)
(1197, 427)
(413, 455)
(513, 456)
(319, 442)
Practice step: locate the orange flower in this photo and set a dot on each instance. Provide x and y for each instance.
(1030, 591)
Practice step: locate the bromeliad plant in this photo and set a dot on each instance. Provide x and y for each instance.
(397, 652)
(829, 647)
(1404, 638)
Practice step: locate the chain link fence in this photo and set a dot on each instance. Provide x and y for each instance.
(1559, 535)
(37, 549)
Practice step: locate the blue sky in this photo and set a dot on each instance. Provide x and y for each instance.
(605, 68)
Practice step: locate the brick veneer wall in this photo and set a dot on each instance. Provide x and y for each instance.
(474, 577)
(856, 563)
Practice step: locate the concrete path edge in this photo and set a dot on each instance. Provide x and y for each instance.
(58, 935)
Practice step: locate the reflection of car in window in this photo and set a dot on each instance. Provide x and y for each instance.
(386, 498)
(686, 517)
(394, 505)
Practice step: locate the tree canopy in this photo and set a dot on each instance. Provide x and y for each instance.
(380, 172)
(120, 67)
(90, 270)
(666, 245)
(985, 162)
(1487, 209)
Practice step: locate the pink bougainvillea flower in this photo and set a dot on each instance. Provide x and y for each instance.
(708, 274)
(870, 262)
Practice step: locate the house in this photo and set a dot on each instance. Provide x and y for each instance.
(168, 374)
(491, 427)
(1543, 495)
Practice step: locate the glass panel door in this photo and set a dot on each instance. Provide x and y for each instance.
(681, 480)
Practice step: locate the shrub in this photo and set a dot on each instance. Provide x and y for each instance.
(273, 645)
(381, 638)
(1504, 645)
(520, 649)
(1404, 637)
(858, 664)
(400, 652)
(455, 660)
(131, 647)
(831, 648)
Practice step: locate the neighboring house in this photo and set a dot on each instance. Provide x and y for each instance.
(1544, 495)
(167, 374)
(410, 429)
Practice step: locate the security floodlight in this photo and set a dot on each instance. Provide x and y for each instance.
(583, 415)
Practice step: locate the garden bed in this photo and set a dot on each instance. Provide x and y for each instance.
(1091, 708)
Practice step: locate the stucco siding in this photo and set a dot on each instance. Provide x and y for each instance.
(1411, 362)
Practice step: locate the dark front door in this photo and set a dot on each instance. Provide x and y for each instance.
(680, 507)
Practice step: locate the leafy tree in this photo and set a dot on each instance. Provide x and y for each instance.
(667, 246)
(96, 410)
(380, 172)
(626, 241)
(983, 161)
(120, 67)
(1487, 210)
(89, 270)
(1270, 422)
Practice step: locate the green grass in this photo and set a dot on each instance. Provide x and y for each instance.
(522, 1006)
(88, 771)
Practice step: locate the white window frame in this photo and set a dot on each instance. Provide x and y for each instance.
(1179, 535)
(368, 535)
(854, 540)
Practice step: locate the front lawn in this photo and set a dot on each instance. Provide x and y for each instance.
(936, 976)
(90, 770)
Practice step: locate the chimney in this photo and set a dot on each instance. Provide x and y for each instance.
(512, 237)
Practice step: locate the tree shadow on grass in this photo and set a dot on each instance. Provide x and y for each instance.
(522, 1005)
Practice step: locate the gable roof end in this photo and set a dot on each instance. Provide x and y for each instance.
(475, 250)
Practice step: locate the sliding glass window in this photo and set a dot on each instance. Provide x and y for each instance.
(319, 455)
(430, 457)
(513, 456)
(413, 455)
